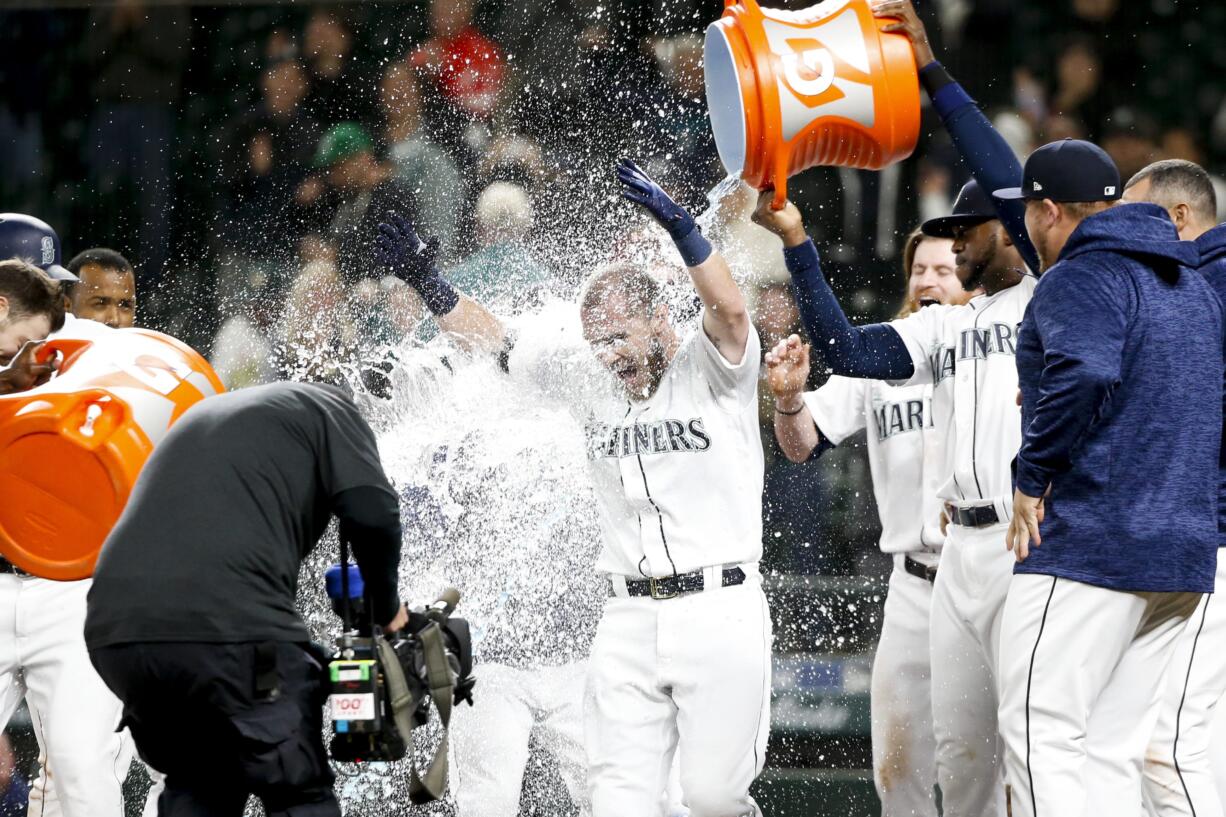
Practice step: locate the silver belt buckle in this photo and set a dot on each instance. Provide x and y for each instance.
(657, 593)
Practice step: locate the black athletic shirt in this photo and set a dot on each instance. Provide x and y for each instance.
(231, 501)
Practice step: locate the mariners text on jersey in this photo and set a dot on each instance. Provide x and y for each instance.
(974, 343)
(899, 417)
(659, 437)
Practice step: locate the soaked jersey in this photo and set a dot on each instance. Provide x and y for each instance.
(902, 454)
(966, 353)
(677, 477)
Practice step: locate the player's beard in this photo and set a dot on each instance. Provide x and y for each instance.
(980, 267)
(657, 362)
(1042, 248)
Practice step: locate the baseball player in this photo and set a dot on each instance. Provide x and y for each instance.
(902, 444)
(1119, 359)
(83, 761)
(533, 609)
(1179, 776)
(966, 353)
(106, 291)
(681, 657)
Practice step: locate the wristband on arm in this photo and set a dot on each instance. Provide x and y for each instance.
(439, 296)
(694, 247)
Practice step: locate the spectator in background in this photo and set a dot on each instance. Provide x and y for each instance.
(340, 89)
(1063, 126)
(503, 267)
(1130, 139)
(315, 335)
(1078, 85)
(106, 292)
(421, 164)
(273, 146)
(360, 191)
(25, 89)
(468, 66)
(385, 312)
(136, 57)
(242, 351)
(14, 790)
(684, 125)
(292, 131)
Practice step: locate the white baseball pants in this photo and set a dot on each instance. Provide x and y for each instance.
(691, 673)
(967, 601)
(489, 742)
(43, 659)
(1081, 680)
(904, 749)
(1179, 775)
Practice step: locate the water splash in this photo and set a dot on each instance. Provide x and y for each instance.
(496, 501)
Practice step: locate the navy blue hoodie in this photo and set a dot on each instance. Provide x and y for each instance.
(1212, 246)
(1119, 358)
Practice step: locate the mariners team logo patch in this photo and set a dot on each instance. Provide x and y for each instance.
(48, 249)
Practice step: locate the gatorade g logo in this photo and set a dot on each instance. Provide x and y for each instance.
(48, 250)
(817, 61)
(824, 71)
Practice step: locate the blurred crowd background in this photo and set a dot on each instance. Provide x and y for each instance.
(241, 155)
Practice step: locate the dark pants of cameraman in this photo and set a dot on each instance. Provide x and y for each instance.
(225, 721)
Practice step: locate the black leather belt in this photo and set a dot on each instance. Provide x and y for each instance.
(668, 587)
(979, 516)
(920, 570)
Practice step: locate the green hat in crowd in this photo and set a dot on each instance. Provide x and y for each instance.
(341, 142)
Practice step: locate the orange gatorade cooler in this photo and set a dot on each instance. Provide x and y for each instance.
(788, 90)
(71, 449)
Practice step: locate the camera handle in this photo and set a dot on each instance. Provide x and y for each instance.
(346, 613)
(349, 629)
(428, 787)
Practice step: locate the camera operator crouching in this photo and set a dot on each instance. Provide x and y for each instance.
(191, 617)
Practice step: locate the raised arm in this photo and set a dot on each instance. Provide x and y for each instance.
(987, 155)
(412, 260)
(726, 318)
(787, 368)
(875, 351)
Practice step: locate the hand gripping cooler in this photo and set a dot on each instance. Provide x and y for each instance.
(789, 90)
(71, 449)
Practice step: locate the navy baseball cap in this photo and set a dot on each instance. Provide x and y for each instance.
(32, 239)
(1068, 170)
(973, 206)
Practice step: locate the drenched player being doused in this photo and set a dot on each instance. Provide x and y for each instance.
(681, 659)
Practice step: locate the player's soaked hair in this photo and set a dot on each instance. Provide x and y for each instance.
(30, 292)
(641, 291)
(1178, 181)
